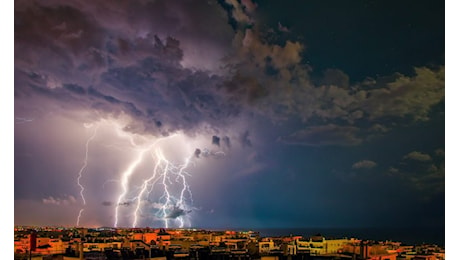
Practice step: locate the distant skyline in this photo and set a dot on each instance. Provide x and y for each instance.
(251, 114)
(407, 236)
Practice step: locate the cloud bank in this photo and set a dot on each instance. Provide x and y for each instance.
(70, 57)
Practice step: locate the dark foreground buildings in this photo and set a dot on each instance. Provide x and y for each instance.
(148, 243)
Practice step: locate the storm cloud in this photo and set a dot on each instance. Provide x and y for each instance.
(101, 63)
(91, 66)
(177, 212)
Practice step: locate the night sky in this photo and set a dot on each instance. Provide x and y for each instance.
(287, 113)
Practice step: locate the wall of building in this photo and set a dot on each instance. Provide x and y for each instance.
(266, 246)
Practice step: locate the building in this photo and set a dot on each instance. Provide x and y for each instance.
(319, 245)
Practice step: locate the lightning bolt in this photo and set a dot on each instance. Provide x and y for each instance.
(174, 206)
(169, 178)
(79, 216)
(185, 187)
(166, 193)
(145, 184)
(162, 195)
(124, 181)
(85, 163)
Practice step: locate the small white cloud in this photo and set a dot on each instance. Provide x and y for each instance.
(364, 164)
(393, 170)
(67, 200)
(418, 156)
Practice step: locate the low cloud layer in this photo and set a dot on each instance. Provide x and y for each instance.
(65, 201)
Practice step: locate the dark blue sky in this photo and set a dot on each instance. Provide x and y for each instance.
(363, 38)
(299, 114)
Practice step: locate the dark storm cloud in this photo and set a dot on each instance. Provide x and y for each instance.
(124, 21)
(106, 203)
(125, 204)
(226, 141)
(89, 65)
(216, 140)
(177, 212)
(50, 41)
(116, 64)
(205, 153)
(197, 153)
